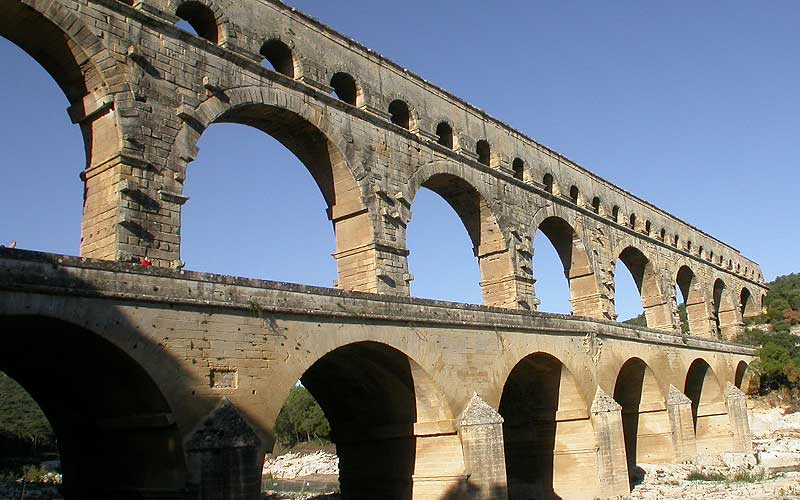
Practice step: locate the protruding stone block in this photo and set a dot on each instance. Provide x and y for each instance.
(612, 469)
(679, 409)
(224, 456)
(480, 428)
(737, 412)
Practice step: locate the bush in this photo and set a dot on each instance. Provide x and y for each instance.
(702, 475)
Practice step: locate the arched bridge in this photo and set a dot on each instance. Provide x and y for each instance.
(169, 382)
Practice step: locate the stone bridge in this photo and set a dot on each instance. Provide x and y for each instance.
(164, 383)
(167, 384)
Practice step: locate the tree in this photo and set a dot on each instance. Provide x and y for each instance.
(301, 419)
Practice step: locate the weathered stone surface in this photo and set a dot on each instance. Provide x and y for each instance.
(144, 91)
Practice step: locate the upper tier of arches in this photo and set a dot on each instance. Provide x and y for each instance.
(378, 86)
(369, 150)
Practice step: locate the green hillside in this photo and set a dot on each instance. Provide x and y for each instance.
(23, 427)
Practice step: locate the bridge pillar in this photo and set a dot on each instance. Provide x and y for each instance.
(679, 409)
(224, 457)
(657, 311)
(737, 413)
(585, 295)
(480, 428)
(612, 469)
(701, 322)
(504, 282)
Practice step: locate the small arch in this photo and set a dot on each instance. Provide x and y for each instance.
(444, 134)
(675, 240)
(201, 18)
(279, 55)
(689, 246)
(711, 255)
(346, 88)
(596, 204)
(518, 166)
(574, 193)
(663, 234)
(647, 227)
(484, 152)
(400, 114)
(701, 252)
(632, 221)
(615, 213)
(548, 182)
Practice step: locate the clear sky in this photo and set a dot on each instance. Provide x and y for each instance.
(692, 106)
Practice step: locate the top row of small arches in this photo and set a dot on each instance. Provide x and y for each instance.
(279, 57)
(633, 222)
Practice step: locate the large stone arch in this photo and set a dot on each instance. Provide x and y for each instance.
(96, 86)
(645, 422)
(548, 433)
(483, 221)
(585, 294)
(748, 307)
(745, 379)
(389, 419)
(107, 410)
(709, 413)
(697, 312)
(331, 160)
(657, 310)
(726, 311)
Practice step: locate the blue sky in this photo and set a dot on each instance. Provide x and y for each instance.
(692, 106)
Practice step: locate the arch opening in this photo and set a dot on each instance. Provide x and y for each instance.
(41, 172)
(518, 167)
(745, 379)
(484, 152)
(546, 426)
(693, 311)
(582, 287)
(726, 314)
(201, 18)
(484, 233)
(104, 448)
(709, 414)
(330, 170)
(653, 305)
(346, 88)
(279, 57)
(373, 396)
(444, 134)
(574, 193)
(548, 182)
(645, 423)
(400, 114)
